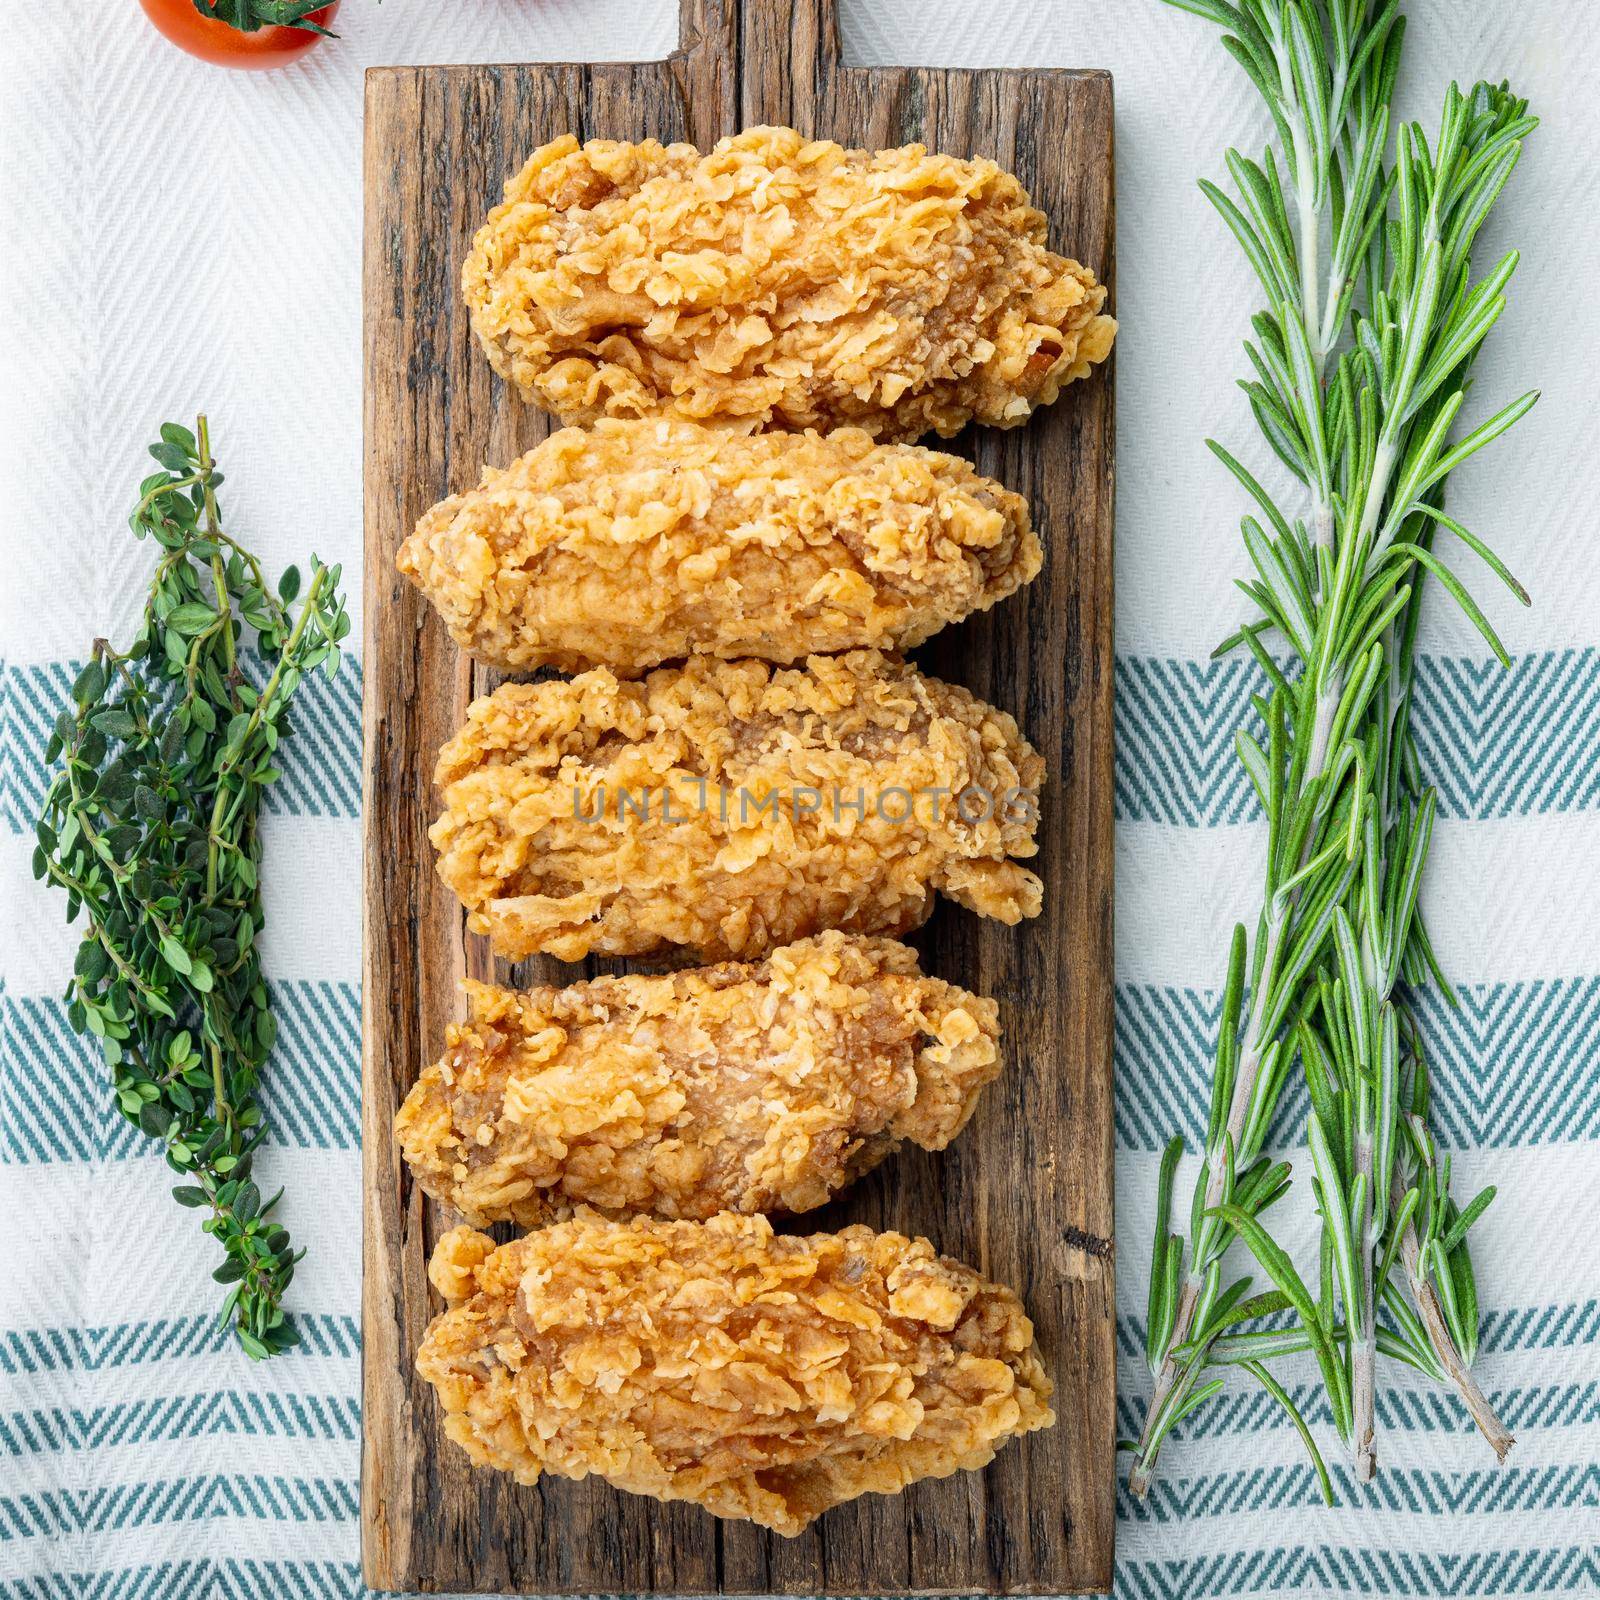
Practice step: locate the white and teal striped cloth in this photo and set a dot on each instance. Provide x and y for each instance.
(176, 237)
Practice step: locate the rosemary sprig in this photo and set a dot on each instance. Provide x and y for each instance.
(1358, 402)
(150, 826)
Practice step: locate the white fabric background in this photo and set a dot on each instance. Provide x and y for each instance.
(172, 235)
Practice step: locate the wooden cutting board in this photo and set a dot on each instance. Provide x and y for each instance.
(1025, 1193)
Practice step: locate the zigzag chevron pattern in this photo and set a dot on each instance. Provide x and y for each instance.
(1175, 722)
(1299, 1569)
(150, 1582)
(201, 1498)
(192, 1580)
(280, 1498)
(289, 1580)
(333, 1416)
(323, 779)
(1539, 1327)
(1490, 1491)
(54, 1106)
(91, 1348)
(1513, 1066)
(1413, 1409)
(182, 1416)
(1333, 1570)
(1549, 1327)
(1408, 1410)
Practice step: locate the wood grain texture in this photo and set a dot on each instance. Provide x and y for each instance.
(1025, 1194)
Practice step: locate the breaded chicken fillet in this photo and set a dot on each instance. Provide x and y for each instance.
(763, 1378)
(637, 542)
(728, 807)
(737, 1087)
(779, 282)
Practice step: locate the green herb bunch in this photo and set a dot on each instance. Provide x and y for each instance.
(1361, 367)
(150, 826)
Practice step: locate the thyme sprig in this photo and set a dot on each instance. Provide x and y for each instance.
(1361, 366)
(150, 826)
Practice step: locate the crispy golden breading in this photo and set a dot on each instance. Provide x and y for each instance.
(779, 282)
(731, 807)
(764, 1378)
(737, 1087)
(639, 542)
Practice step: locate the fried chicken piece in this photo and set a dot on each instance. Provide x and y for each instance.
(764, 1378)
(779, 282)
(730, 807)
(738, 1087)
(639, 542)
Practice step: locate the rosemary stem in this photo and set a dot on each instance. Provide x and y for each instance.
(1364, 1355)
(1321, 523)
(1143, 1469)
(1363, 1317)
(1384, 460)
(1310, 292)
(1244, 1086)
(1365, 1226)
(1499, 1437)
(1364, 1335)
(1328, 698)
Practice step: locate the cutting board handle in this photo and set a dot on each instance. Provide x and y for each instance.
(760, 60)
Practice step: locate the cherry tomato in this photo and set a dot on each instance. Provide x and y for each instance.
(215, 41)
